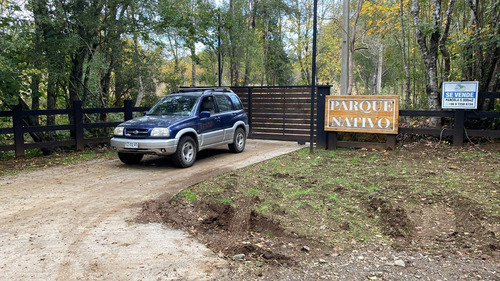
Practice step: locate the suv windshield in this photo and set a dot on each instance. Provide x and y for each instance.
(174, 105)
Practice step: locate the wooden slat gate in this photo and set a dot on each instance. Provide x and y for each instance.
(279, 113)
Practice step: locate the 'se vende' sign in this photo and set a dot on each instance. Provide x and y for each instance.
(363, 114)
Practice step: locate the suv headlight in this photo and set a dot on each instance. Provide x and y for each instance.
(118, 131)
(160, 132)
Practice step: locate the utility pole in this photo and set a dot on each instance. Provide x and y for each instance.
(344, 72)
(313, 74)
(219, 49)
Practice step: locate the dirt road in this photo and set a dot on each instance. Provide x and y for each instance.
(76, 222)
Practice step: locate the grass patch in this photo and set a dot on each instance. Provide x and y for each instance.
(300, 192)
(329, 196)
(189, 195)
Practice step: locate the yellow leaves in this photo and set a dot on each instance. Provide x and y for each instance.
(380, 16)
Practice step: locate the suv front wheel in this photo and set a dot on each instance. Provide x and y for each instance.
(185, 155)
(239, 141)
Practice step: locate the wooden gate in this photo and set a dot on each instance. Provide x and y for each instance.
(279, 113)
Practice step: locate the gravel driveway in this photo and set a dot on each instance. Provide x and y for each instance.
(77, 222)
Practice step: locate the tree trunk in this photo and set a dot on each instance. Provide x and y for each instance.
(378, 84)
(483, 59)
(352, 47)
(406, 89)
(485, 69)
(233, 49)
(250, 27)
(246, 81)
(32, 121)
(430, 55)
(234, 69)
(140, 94)
(51, 100)
(193, 66)
(442, 41)
(264, 57)
(76, 76)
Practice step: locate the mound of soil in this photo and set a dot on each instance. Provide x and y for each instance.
(257, 247)
(233, 233)
(394, 220)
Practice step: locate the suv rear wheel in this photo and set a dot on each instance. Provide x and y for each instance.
(130, 158)
(239, 141)
(185, 155)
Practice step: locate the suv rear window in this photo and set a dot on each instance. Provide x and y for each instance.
(236, 102)
(224, 103)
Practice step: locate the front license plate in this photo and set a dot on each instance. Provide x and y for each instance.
(131, 145)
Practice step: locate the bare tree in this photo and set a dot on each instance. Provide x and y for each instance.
(429, 48)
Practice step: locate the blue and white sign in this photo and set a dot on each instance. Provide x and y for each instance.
(460, 95)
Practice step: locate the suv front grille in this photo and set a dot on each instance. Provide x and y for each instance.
(130, 132)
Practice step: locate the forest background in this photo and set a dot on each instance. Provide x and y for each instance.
(104, 51)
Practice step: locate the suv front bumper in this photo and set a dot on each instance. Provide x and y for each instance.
(145, 146)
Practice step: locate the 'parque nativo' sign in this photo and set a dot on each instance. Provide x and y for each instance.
(363, 114)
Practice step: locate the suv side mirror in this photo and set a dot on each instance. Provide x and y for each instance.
(204, 114)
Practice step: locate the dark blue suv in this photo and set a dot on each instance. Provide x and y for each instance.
(183, 123)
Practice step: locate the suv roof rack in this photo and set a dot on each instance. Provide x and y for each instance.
(214, 89)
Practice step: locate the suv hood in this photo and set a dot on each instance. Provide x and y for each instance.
(151, 121)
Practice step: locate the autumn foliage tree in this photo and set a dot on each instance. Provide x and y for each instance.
(104, 51)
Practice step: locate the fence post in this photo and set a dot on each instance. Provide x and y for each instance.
(458, 128)
(390, 142)
(127, 104)
(331, 140)
(78, 119)
(250, 110)
(321, 138)
(17, 124)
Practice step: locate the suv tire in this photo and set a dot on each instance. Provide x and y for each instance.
(130, 158)
(239, 141)
(185, 155)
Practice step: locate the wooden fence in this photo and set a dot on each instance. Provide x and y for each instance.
(77, 129)
(281, 113)
(459, 117)
(456, 127)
